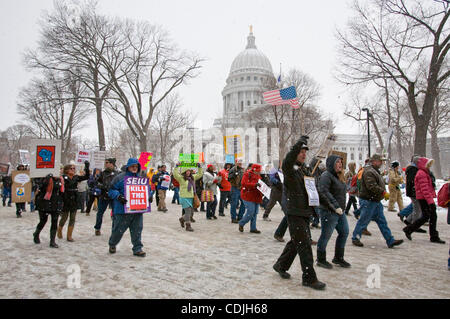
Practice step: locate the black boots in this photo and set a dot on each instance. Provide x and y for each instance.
(317, 285)
(52, 238)
(322, 260)
(36, 236)
(283, 274)
(339, 258)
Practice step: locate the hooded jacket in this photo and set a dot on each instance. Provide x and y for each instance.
(331, 188)
(411, 172)
(423, 182)
(225, 184)
(294, 184)
(249, 191)
(118, 188)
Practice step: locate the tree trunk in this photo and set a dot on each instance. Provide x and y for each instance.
(100, 126)
(435, 153)
(143, 143)
(420, 141)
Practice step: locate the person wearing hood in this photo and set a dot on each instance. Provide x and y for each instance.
(373, 190)
(298, 213)
(104, 183)
(395, 194)
(187, 180)
(333, 189)
(210, 181)
(425, 194)
(122, 221)
(252, 198)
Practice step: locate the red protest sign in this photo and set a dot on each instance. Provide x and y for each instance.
(136, 193)
(45, 156)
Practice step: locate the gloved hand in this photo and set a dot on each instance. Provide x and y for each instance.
(122, 199)
(339, 211)
(386, 196)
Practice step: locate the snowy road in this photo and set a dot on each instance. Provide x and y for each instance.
(216, 261)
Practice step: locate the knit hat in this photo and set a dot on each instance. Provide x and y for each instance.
(210, 166)
(111, 160)
(395, 164)
(256, 168)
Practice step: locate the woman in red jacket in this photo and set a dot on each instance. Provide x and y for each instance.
(251, 197)
(425, 194)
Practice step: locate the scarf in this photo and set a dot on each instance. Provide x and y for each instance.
(191, 184)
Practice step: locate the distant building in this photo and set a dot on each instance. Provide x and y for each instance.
(356, 147)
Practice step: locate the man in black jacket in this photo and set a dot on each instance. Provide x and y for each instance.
(104, 183)
(298, 216)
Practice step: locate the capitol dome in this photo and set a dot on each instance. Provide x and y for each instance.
(251, 58)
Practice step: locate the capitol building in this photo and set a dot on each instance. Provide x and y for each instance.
(244, 86)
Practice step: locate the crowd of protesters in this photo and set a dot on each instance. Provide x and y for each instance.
(196, 189)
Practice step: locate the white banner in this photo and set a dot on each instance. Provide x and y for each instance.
(82, 156)
(24, 157)
(98, 159)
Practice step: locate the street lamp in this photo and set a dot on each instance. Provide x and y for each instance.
(368, 126)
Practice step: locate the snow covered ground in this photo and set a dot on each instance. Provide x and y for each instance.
(216, 261)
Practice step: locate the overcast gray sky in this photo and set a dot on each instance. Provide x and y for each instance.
(297, 34)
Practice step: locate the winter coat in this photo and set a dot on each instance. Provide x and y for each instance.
(184, 183)
(208, 182)
(423, 182)
(249, 191)
(372, 185)
(395, 179)
(94, 189)
(332, 189)
(104, 181)
(235, 176)
(159, 177)
(411, 172)
(7, 182)
(71, 190)
(294, 184)
(225, 184)
(55, 204)
(118, 187)
(275, 181)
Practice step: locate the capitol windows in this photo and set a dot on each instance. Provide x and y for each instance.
(352, 156)
(248, 78)
(254, 102)
(242, 106)
(255, 78)
(360, 156)
(248, 103)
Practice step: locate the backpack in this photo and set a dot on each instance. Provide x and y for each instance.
(442, 198)
(353, 189)
(359, 179)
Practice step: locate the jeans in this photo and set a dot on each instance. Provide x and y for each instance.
(330, 222)
(235, 198)
(416, 213)
(121, 223)
(102, 206)
(224, 196)
(351, 201)
(405, 212)
(372, 211)
(6, 194)
(211, 207)
(300, 244)
(176, 195)
(250, 215)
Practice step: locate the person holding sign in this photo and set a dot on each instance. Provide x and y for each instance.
(252, 197)
(163, 185)
(187, 192)
(20, 207)
(123, 220)
(333, 190)
(298, 214)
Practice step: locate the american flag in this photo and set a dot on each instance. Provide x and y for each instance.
(284, 96)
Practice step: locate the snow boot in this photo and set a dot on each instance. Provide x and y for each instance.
(407, 233)
(52, 238)
(317, 285)
(69, 233)
(182, 222)
(188, 227)
(192, 218)
(339, 258)
(437, 240)
(322, 260)
(36, 236)
(283, 274)
(60, 232)
(357, 243)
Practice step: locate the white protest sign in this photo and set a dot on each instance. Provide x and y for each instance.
(98, 159)
(166, 182)
(313, 195)
(281, 177)
(24, 157)
(264, 189)
(45, 158)
(82, 156)
(21, 179)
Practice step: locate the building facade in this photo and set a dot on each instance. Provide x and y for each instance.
(356, 147)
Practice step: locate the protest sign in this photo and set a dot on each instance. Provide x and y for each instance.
(24, 157)
(98, 159)
(45, 158)
(82, 156)
(137, 194)
(233, 145)
(313, 195)
(166, 181)
(264, 189)
(4, 169)
(229, 159)
(21, 187)
(145, 159)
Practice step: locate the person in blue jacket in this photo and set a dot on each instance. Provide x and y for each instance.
(122, 221)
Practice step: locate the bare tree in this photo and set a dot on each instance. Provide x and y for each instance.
(52, 107)
(148, 68)
(394, 39)
(66, 45)
(17, 137)
(167, 119)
